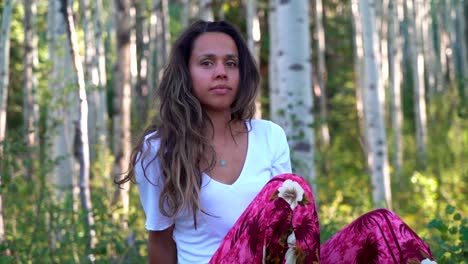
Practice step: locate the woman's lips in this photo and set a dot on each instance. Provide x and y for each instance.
(220, 89)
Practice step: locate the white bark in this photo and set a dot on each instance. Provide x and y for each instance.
(62, 113)
(185, 13)
(166, 37)
(429, 49)
(30, 105)
(295, 84)
(162, 37)
(373, 99)
(253, 41)
(4, 67)
(273, 86)
(91, 72)
(417, 61)
(153, 76)
(4, 83)
(359, 68)
(383, 35)
(143, 56)
(122, 103)
(451, 36)
(395, 81)
(462, 46)
(101, 101)
(81, 142)
(206, 10)
(321, 73)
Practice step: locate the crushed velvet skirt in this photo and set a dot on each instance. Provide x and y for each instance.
(281, 226)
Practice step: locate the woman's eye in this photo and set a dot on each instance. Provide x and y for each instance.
(206, 63)
(231, 64)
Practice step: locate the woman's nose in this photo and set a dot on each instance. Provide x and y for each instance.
(220, 71)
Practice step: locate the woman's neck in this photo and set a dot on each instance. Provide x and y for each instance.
(223, 128)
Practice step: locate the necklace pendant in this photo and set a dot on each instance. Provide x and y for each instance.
(222, 163)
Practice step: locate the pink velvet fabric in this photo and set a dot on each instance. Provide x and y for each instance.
(275, 230)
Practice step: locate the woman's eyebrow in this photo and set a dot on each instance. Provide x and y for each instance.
(212, 55)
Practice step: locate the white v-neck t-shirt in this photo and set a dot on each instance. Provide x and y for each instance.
(267, 156)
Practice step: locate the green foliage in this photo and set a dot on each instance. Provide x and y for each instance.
(43, 226)
(449, 234)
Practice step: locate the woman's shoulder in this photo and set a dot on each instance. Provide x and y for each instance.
(151, 142)
(267, 125)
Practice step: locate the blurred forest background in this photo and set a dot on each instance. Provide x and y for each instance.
(372, 94)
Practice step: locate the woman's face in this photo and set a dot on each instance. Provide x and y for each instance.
(214, 69)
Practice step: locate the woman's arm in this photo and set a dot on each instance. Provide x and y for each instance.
(161, 247)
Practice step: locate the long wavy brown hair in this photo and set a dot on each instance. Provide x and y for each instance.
(182, 124)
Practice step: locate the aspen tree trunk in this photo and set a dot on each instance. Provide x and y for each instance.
(450, 39)
(253, 29)
(62, 113)
(373, 99)
(142, 48)
(383, 35)
(273, 87)
(153, 75)
(322, 73)
(428, 47)
(253, 42)
(443, 41)
(220, 9)
(415, 31)
(162, 37)
(122, 103)
(185, 13)
(360, 75)
(101, 101)
(4, 83)
(206, 10)
(396, 16)
(81, 132)
(30, 106)
(91, 75)
(166, 35)
(295, 84)
(4, 68)
(462, 47)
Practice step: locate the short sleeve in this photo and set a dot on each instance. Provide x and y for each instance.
(150, 187)
(281, 162)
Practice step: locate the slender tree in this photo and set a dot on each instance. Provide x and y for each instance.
(30, 106)
(99, 59)
(91, 73)
(253, 41)
(81, 130)
(395, 38)
(295, 83)
(206, 10)
(377, 156)
(462, 54)
(417, 62)
(143, 57)
(321, 73)
(122, 103)
(273, 86)
(185, 13)
(4, 83)
(359, 68)
(60, 120)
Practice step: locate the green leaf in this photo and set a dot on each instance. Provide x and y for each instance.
(453, 230)
(450, 209)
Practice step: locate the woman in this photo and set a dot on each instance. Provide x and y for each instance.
(207, 173)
